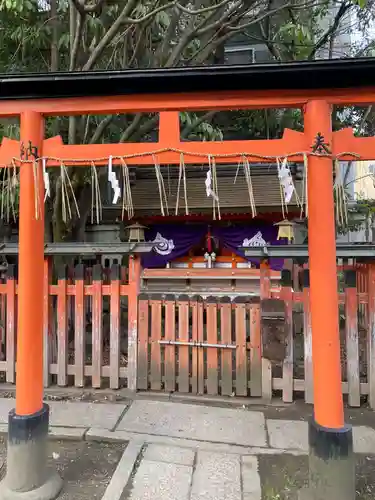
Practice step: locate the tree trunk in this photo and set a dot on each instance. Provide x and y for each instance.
(72, 33)
(55, 37)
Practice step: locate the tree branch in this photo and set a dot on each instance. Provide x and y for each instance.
(100, 129)
(273, 49)
(196, 31)
(266, 14)
(110, 34)
(190, 128)
(77, 40)
(132, 128)
(162, 51)
(87, 9)
(344, 7)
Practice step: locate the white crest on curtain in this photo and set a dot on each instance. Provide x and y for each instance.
(256, 241)
(162, 245)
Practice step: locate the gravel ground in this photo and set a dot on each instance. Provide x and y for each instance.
(283, 476)
(86, 467)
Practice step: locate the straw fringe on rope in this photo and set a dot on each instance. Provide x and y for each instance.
(190, 153)
(127, 199)
(182, 177)
(9, 183)
(8, 188)
(160, 180)
(341, 207)
(96, 200)
(65, 202)
(247, 172)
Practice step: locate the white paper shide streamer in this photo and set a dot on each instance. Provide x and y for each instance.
(114, 182)
(285, 179)
(47, 186)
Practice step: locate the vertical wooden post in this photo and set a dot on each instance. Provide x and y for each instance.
(309, 390)
(328, 401)
(183, 351)
(155, 360)
(226, 338)
(170, 350)
(27, 473)
(212, 352)
(255, 351)
(351, 327)
(79, 327)
(29, 381)
(143, 342)
(287, 296)
(97, 326)
(371, 334)
(114, 362)
(134, 282)
(47, 332)
(62, 328)
(241, 351)
(331, 459)
(11, 324)
(265, 293)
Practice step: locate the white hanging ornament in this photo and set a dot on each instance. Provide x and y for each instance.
(285, 179)
(114, 182)
(47, 187)
(208, 183)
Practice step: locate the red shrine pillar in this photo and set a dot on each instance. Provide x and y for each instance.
(27, 474)
(330, 440)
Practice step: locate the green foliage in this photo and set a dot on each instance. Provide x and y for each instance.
(158, 34)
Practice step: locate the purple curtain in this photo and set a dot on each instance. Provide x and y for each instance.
(172, 241)
(234, 236)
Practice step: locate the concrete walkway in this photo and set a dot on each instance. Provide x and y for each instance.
(184, 451)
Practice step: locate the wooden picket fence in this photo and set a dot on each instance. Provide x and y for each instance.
(213, 346)
(187, 344)
(76, 303)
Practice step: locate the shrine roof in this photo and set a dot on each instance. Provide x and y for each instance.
(306, 75)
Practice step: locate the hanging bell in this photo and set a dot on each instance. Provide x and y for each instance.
(286, 230)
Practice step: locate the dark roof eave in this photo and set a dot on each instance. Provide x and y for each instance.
(326, 74)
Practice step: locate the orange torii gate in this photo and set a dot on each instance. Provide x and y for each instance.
(314, 87)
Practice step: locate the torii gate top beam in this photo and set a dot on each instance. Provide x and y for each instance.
(214, 87)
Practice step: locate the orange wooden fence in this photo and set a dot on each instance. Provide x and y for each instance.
(97, 328)
(83, 326)
(213, 346)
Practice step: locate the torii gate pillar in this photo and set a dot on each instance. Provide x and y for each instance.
(331, 461)
(27, 474)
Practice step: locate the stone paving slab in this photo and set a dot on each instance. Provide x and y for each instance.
(250, 478)
(221, 425)
(6, 404)
(288, 434)
(123, 472)
(217, 477)
(74, 414)
(108, 436)
(161, 481)
(170, 454)
(73, 433)
(364, 440)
